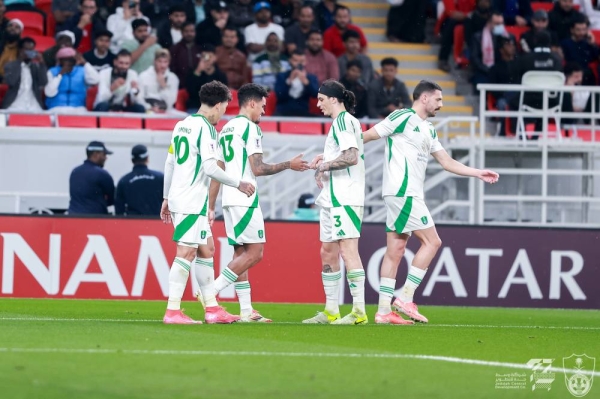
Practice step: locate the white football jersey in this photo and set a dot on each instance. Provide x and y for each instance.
(239, 139)
(193, 141)
(409, 142)
(345, 186)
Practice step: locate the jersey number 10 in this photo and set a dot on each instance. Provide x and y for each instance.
(181, 143)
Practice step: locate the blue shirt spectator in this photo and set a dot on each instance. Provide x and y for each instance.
(307, 210)
(295, 88)
(140, 192)
(92, 189)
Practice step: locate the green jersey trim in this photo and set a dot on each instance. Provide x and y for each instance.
(184, 226)
(341, 122)
(198, 158)
(400, 223)
(205, 207)
(242, 224)
(402, 191)
(354, 217)
(244, 151)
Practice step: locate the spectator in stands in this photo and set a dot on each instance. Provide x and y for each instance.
(325, 12)
(67, 82)
(140, 192)
(575, 101)
(561, 18)
(581, 48)
(286, 12)
(297, 34)
(516, 12)
(158, 11)
(232, 61)
(266, 67)
(85, 24)
(170, 31)
(484, 47)
(319, 61)
(210, 31)
(406, 22)
(352, 44)
(592, 12)
(455, 13)
(206, 71)
(242, 13)
(3, 21)
(120, 23)
(333, 37)
(64, 38)
(91, 188)
(26, 78)
(9, 48)
(294, 88)
(477, 19)
(118, 88)
(351, 80)
(185, 55)
(199, 11)
(256, 33)
(101, 57)
(159, 86)
(539, 20)
(307, 209)
(505, 71)
(63, 10)
(106, 8)
(142, 47)
(388, 93)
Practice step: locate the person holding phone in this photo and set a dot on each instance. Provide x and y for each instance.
(294, 88)
(206, 71)
(120, 23)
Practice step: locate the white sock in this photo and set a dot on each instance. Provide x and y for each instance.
(242, 289)
(414, 278)
(178, 276)
(386, 293)
(331, 285)
(205, 276)
(226, 278)
(356, 281)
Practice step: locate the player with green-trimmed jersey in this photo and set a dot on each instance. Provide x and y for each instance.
(410, 139)
(190, 165)
(341, 176)
(240, 151)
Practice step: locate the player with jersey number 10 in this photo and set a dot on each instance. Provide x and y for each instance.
(410, 139)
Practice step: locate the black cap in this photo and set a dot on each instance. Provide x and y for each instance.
(540, 15)
(139, 152)
(306, 200)
(97, 146)
(218, 5)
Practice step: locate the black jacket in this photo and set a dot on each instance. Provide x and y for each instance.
(92, 190)
(559, 21)
(194, 83)
(523, 9)
(140, 192)
(378, 99)
(163, 34)
(71, 24)
(12, 77)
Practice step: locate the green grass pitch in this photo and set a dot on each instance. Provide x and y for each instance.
(120, 349)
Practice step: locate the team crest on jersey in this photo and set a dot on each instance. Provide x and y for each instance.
(577, 370)
(424, 220)
(257, 143)
(203, 234)
(261, 233)
(211, 148)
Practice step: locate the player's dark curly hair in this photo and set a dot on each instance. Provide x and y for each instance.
(251, 92)
(346, 96)
(213, 93)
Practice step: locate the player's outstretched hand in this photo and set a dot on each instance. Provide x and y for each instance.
(298, 164)
(316, 161)
(246, 188)
(211, 217)
(489, 176)
(165, 214)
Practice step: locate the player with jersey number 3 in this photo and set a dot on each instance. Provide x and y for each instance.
(191, 164)
(410, 139)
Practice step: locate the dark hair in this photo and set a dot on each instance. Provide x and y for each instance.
(123, 53)
(298, 52)
(136, 23)
(176, 8)
(495, 13)
(571, 68)
(502, 40)
(104, 32)
(350, 34)
(305, 5)
(542, 39)
(354, 63)
(348, 98)
(208, 48)
(389, 61)
(22, 42)
(425, 86)
(213, 93)
(251, 91)
(579, 19)
(232, 28)
(340, 8)
(314, 32)
(187, 23)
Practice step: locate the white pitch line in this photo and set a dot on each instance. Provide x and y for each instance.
(446, 359)
(429, 325)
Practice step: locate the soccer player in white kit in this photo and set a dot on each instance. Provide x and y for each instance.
(190, 165)
(410, 139)
(240, 150)
(341, 176)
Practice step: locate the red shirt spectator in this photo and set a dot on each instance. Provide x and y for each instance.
(332, 38)
(453, 6)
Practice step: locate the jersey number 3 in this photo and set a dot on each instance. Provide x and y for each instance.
(227, 148)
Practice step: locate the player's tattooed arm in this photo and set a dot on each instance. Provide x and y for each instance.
(348, 158)
(259, 168)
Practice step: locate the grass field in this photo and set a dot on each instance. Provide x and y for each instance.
(120, 349)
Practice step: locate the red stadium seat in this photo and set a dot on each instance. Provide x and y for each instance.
(538, 5)
(46, 6)
(220, 124)
(517, 31)
(586, 135)
(43, 43)
(33, 21)
(116, 122)
(271, 104)
(234, 106)
(88, 121)
(301, 127)
(312, 107)
(90, 97)
(3, 90)
(161, 123)
(29, 120)
(268, 127)
(182, 97)
(459, 45)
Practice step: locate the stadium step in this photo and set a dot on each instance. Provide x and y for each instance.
(370, 22)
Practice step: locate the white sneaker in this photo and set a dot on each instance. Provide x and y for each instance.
(255, 317)
(353, 318)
